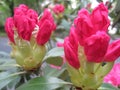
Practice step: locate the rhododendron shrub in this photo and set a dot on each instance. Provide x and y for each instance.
(87, 48)
(28, 35)
(82, 59)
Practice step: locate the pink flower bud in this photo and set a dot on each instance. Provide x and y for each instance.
(44, 32)
(71, 49)
(58, 8)
(71, 54)
(22, 9)
(25, 20)
(59, 44)
(88, 5)
(96, 47)
(32, 14)
(99, 17)
(73, 38)
(84, 26)
(9, 25)
(113, 51)
(88, 24)
(46, 26)
(47, 16)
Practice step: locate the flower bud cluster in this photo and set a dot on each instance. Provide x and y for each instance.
(87, 48)
(28, 35)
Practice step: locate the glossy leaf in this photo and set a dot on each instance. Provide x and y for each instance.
(50, 71)
(54, 56)
(43, 83)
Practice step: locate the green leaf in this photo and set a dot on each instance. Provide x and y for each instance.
(10, 64)
(13, 83)
(4, 55)
(49, 71)
(54, 56)
(65, 24)
(43, 83)
(6, 63)
(106, 86)
(6, 78)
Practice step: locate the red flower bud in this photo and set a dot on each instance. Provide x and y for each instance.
(58, 8)
(99, 17)
(46, 26)
(71, 50)
(88, 24)
(47, 16)
(96, 47)
(113, 51)
(9, 25)
(22, 8)
(71, 54)
(44, 32)
(84, 26)
(25, 20)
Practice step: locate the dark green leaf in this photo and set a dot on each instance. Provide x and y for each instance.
(57, 61)
(43, 83)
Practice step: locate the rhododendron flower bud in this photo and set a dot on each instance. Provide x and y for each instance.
(88, 5)
(71, 49)
(96, 46)
(59, 44)
(87, 48)
(87, 24)
(33, 15)
(99, 17)
(114, 76)
(44, 33)
(83, 24)
(47, 16)
(58, 9)
(22, 8)
(25, 21)
(46, 26)
(28, 35)
(113, 51)
(71, 54)
(9, 25)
